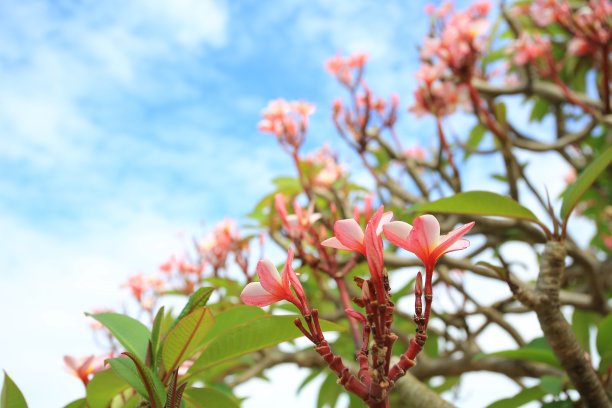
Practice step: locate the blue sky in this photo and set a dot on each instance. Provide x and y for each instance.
(126, 125)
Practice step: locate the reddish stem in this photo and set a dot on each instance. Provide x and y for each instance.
(606, 77)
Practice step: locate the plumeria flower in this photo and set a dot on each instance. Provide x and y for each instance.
(424, 240)
(350, 237)
(298, 223)
(83, 368)
(273, 287)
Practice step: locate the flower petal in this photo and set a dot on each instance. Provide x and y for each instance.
(427, 229)
(350, 234)
(269, 277)
(397, 232)
(334, 243)
(385, 219)
(255, 295)
(448, 240)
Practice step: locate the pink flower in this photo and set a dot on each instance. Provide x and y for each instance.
(424, 240)
(83, 368)
(273, 287)
(580, 47)
(607, 241)
(298, 223)
(350, 237)
(288, 121)
(342, 67)
(528, 49)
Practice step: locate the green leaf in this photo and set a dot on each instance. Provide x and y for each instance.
(184, 339)
(539, 110)
(584, 181)
(156, 334)
(537, 350)
(604, 336)
(11, 396)
(287, 185)
(500, 113)
(447, 384)
(520, 399)
(494, 55)
(155, 389)
(551, 384)
(80, 403)
(140, 378)
(210, 398)
(431, 347)
(581, 325)
(478, 203)
(252, 336)
(559, 404)
(197, 300)
(105, 386)
(476, 136)
(132, 334)
(313, 374)
(329, 392)
(233, 317)
(125, 368)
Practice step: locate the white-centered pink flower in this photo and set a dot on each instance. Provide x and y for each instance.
(349, 235)
(274, 286)
(84, 367)
(424, 240)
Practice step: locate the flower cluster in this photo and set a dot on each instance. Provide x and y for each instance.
(589, 24)
(448, 59)
(326, 169)
(145, 290)
(529, 48)
(348, 70)
(376, 340)
(300, 222)
(288, 121)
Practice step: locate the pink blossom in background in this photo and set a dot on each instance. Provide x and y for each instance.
(529, 48)
(327, 169)
(344, 68)
(288, 121)
(84, 368)
(298, 223)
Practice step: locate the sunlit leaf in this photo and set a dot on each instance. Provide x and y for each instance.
(537, 350)
(255, 335)
(520, 399)
(329, 392)
(140, 377)
(185, 338)
(105, 386)
(80, 403)
(11, 396)
(210, 398)
(604, 342)
(478, 203)
(198, 299)
(584, 181)
(132, 334)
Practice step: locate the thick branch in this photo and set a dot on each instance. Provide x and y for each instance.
(559, 333)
